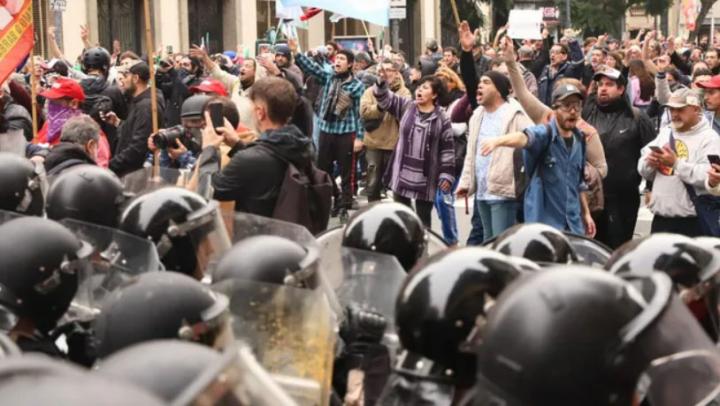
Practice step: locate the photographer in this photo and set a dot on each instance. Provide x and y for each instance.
(180, 145)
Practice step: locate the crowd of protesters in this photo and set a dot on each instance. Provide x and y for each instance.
(561, 130)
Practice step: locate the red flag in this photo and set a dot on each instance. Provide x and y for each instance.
(16, 34)
(310, 13)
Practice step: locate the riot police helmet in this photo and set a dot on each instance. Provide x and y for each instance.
(39, 265)
(87, 193)
(159, 305)
(537, 242)
(20, 185)
(389, 228)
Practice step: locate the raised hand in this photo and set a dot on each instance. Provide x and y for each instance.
(293, 45)
(467, 39)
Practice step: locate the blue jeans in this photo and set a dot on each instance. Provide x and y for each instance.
(445, 206)
(497, 215)
(477, 234)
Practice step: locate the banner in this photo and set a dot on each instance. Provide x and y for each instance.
(373, 11)
(16, 34)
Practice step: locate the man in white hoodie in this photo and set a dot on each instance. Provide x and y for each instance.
(676, 161)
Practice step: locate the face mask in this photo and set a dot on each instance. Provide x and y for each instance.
(58, 115)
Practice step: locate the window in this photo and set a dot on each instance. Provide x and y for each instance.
(122, 20)
(205, 19)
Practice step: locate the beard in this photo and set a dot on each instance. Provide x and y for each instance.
(129, 91)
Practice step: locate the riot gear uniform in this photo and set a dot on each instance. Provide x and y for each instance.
(86, 193)
(20, 185)
(187, 230)
(389, 228)
(536, 242)
(575, 336)
(160, 305)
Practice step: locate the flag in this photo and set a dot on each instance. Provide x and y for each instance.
(16, 34)
(373, 11)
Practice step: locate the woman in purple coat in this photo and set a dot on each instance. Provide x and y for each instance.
(424, 158)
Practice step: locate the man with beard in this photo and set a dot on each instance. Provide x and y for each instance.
(560, 67)
(677, 164)
(554, 158)
(176, 83)
(624, 131)
(134, 132)
(597, 58)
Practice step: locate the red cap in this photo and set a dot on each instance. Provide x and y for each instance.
(210, 86)
(713, 83)
(64, 87)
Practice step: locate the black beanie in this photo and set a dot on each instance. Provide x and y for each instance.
(502, 83)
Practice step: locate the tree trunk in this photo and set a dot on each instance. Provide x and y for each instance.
(705, 6)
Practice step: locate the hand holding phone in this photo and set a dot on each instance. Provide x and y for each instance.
(714, 159)
(656, 149)
(216, 115)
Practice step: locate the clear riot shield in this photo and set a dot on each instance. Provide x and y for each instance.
(238, 379)
(13, 141)
(142, 180)
(369, 279)
(589, 252)
(290, 330)
(6, 216)
(117, 257)
(686, 378)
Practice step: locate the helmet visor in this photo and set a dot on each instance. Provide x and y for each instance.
(14, 142)
(142, 180)
(686, 378)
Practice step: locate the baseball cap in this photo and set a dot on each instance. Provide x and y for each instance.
(684, 97)
(609, 73)
(563, 92)
(210, 86)
(713, 83)
(62, 88)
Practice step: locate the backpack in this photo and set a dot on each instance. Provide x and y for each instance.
(94, 104)
(305, 196)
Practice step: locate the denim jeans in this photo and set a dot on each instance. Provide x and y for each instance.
(445, 206)
(497, 215)
(477, 234)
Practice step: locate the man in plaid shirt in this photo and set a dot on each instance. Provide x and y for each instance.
(341, 129)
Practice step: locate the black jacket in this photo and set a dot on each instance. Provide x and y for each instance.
(65, 155)
(175, 89)
(133, 134)
(254, 175)
(623, 131)
(98, 85)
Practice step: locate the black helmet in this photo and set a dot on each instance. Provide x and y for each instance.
(164, 368)
(439, 305)
(39, 262)
(577, 336)
(178, 221)
(193, 106)
(96, 58)
(389, 228)
(268, 259)
(536, 242)
(159, 305)
(87, 193)
(20, 185)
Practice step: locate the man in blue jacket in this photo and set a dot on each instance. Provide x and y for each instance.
(560, 67)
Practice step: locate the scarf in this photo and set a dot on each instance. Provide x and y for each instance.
(58, 115)
(331, 112)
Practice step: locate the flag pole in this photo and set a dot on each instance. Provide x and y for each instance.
(153, 89)
(33, 95)
(455, 12)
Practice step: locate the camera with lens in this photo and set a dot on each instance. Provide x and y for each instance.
(169, 137)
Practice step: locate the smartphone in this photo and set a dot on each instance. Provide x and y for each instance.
(714, 159)
(216, 115)
(656, 149)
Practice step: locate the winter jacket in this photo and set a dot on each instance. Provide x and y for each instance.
(134, 132)
(501, 179)
(98, 85)
(254, 175)
(385, 137)
(623, 131)
(17, 118)
(669, 195)
(425, 153)
(573, 68)
(238, 95)
(175, 88)
(65, 155)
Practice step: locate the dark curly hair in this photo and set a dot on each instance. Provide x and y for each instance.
(437, 85)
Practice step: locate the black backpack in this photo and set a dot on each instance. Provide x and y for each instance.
(305, 196)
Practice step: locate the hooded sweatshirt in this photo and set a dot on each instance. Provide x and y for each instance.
(669, 195)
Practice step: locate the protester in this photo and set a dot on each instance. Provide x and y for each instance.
(562, 64)
(79, 144)
(64, 100)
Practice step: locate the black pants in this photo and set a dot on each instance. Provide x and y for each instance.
(377, 162)
(422, 208)
(687, 226)
(616, 223)
(338, 148)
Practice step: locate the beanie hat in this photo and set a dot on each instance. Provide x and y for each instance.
(502, 83)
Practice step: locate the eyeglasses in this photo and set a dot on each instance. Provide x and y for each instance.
(568, 107)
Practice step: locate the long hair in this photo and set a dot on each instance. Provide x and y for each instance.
(452, 79)
(647, 82)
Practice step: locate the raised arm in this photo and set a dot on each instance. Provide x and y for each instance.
(535, 109)
(390, 102)
(308, 66)
(467, 62)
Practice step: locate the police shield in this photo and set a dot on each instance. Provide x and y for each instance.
(686, 378)
(142, 180)
(589, 252)
(116, 258)
(290, 330)
(237, 379)
(13, 141)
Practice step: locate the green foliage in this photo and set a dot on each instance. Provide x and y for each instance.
(600, 16)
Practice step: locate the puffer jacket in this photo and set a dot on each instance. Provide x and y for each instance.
(501, 174)
(385, 137)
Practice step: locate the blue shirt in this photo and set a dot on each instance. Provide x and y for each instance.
(491, 126)
(553, 194)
